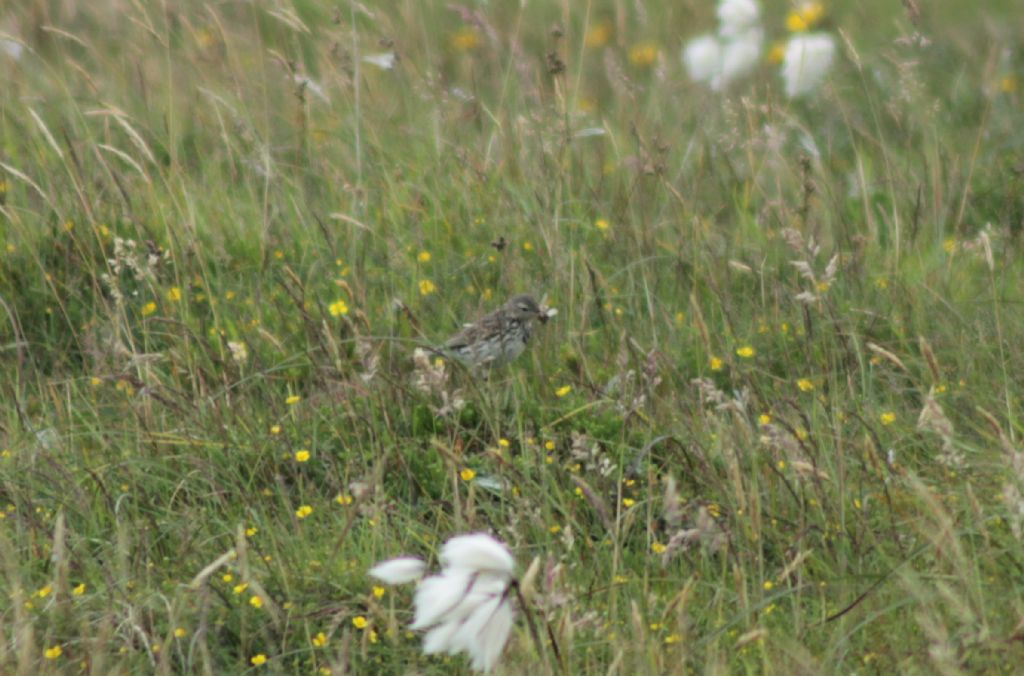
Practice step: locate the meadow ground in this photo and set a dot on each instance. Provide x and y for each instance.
(775, 425)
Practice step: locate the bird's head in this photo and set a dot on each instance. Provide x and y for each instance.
(524, 308)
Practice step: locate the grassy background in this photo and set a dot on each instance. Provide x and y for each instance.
(841, 496)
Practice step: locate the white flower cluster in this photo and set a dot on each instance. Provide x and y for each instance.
(467, 606)
(734, 51)
(722, 58)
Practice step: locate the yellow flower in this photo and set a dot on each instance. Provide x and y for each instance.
(278, 254)
(746, 352)
(180, 632)
(303, 511)
(888, 418)
(805, 385)
(658, 548)
(598, 35)
(628, 502)
(555, 530)
(427, 287)
(359, 622)
(804, 17)
(44, 592)
(680, 317)
(338, 308)
(258, 660)
(275, 429)
(174, 294)
(373, 636)
(527, 246)
(777, 53)
(343, 500)
(467, 474)
(563, 390)
(504, 443)
(882, 283)
(423, 257)
(302, 456)
(320, 640)
(949, 245)
(643, 54)
(822, 286)
(549, 445)
(465, 39)
(251, 530)
(79, 590)
(378, 592)
(768, 585)
(53, 653)
(601, 224)
(716, 364)
(256, 601)
(239, 588)
(227, 577)
(764, 418)
(293, 399)
(148, 309)
(1008, 84)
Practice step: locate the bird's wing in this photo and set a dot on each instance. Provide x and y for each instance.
(464, 337)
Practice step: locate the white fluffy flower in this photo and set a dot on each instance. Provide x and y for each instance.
(702, 57)
(402, 570)
(385, 61)
(741, 55)
(737, 16)
(467, 606)
(479, 553)
(11, 48)
(734, 52)
(807, 61)
(312, 86)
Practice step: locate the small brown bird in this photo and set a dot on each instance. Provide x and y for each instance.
(499, 337)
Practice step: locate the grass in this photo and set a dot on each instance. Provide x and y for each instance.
(215, 273)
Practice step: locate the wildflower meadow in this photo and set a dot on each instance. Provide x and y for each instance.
(760, 412)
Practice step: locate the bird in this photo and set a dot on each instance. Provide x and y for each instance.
(499, 337)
